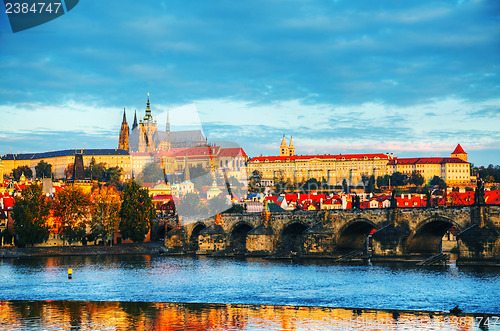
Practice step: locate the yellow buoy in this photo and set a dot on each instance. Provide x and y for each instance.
(70, 273)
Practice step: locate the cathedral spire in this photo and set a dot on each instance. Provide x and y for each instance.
(135, 125)
(148, 116)
(124, 134)
(124, 117)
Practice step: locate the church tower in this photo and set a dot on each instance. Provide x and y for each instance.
(124, 132)
(291, 148)
(284, 147)
(459, 153)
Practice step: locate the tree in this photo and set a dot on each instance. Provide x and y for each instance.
(112, 177)
(72, 207)
(190, 205)
(436, 180)
(105, 212)
(398, 179)
(365, 179)
(30, 213)
(345, 187)
(137, 212)
(218, 204)
(310, 185)
(95, 171)
(17, 173)
(383, 181)
(151, 173)
(371, 184)
(254, 184)
(416, 178)
(43, 169)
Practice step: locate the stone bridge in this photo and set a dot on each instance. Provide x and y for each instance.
(377, 232)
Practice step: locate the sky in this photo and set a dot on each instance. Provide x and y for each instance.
(413, 78)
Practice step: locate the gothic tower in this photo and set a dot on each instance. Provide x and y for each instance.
(291, 148)
(124, 132)
(284, 147)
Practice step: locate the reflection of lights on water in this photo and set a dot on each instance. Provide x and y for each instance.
(200, 316)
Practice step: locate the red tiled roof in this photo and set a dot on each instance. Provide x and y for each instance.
(425, 160)
(321, 157)
(458, 150)
(232, 152)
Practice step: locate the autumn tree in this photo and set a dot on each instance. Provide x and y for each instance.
(17, 173)
(43, 170)
(30, 213)
(105, 212)
(72, 207)
(137, 212)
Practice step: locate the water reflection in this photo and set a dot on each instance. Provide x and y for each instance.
(88, 315)
(250, 281)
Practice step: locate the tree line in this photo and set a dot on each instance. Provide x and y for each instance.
(81, 217)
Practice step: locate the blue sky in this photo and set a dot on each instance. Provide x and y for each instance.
(413, 78)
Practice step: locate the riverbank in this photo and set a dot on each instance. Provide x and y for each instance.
(150, 248)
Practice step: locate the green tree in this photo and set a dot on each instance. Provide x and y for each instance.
(30, 213)
(137, 212)
(218, 204)
(189, 205)
(399, 179)
(436, 180)
(105, 212)
(72, 207)
(383, 181)
(371, 184)
(17, 173)
(43, 170)
(112, 177)
(151, 173)
(95, 171)
(365, 179)
(345, 187)
(416, 178)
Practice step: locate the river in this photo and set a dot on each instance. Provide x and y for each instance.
(216, 284)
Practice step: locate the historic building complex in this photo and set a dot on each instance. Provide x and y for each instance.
(334, 169)
(454, 170)
(144, 137)
(331, 168)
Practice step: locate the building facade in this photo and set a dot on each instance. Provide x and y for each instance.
(333, 169)
(454, 170)
(60, 160)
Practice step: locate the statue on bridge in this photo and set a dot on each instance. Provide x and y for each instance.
(479, 193)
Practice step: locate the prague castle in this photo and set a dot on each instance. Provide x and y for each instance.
(144, 137)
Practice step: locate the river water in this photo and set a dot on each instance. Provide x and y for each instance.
(238, 294)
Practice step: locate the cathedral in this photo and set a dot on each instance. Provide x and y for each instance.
(144, 137)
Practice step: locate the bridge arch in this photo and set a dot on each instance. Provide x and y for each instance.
(428, 234)
(193, 236)
(290, 237)
(238, 236)
(353, 235)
